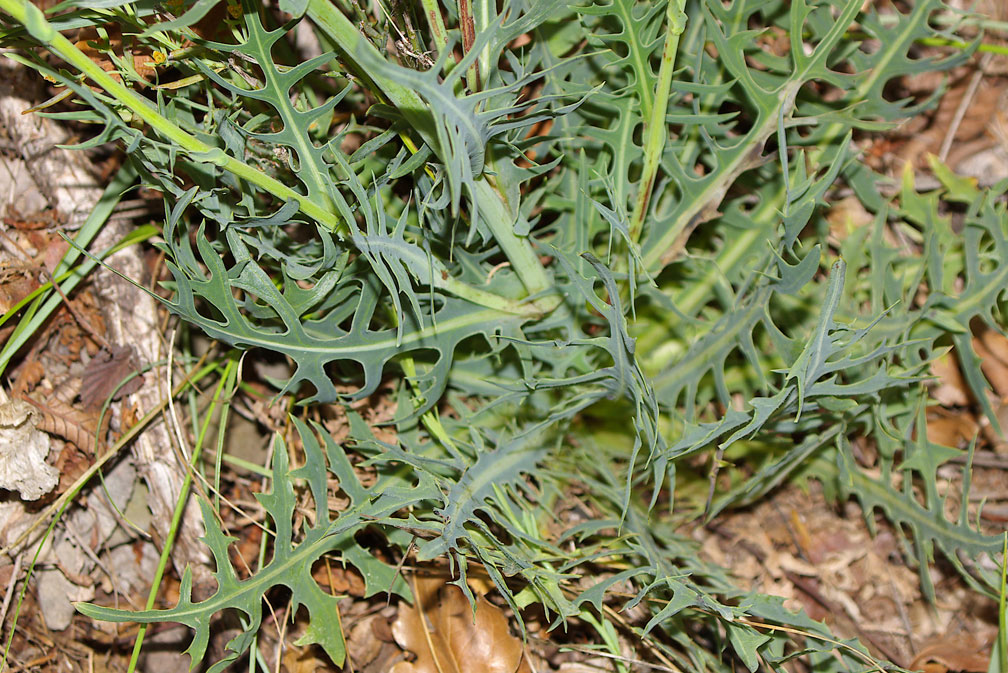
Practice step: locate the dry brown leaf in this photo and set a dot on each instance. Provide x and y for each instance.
(16, 283)
(951, 389)
(367, 638)
(845, 216)
(337, 580)
(959, 652)
(77, 426)
(302, 661)
(981, 103)
(30, 374)
(992, 348)
(443, 634)
(955, 428)
(104, 374)
(95, 48)
(997, 344)
(71, 464)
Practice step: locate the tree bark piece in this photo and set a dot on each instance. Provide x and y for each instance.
(45, 176)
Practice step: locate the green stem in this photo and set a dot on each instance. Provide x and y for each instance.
(435, 23)
(467, 24)
(37, 25)
(226, 380)
(518, 249)
(532, 309)
(666, 246)
(952, 19)
(657, 129)
(428, 418)
(663, 248)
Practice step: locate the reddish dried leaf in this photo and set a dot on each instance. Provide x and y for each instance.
(302, 661)
(997, 344)
(77, 426)
(969, 129)
(50, 246)
(336, 579)
(105, 372)
(71, 463)
(95, 48)
(30, 374)
(43, 219)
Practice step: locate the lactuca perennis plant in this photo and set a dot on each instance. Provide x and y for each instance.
(571, 234)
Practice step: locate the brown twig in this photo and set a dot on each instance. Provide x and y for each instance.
(10, 587)
(964, 105)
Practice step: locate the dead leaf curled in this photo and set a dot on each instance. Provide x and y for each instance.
(446, 637)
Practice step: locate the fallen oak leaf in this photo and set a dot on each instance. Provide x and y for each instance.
(444, 634)
(297, 660)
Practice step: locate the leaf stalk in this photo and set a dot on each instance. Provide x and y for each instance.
(657, 129)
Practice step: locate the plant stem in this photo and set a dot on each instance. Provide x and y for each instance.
(517, 248)
(657, 129)
(37, 25)
(952, 19)
(346, 36)
(468, 27)
(428, 418)
(984, 47)
(532, 309)
(435, 23)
